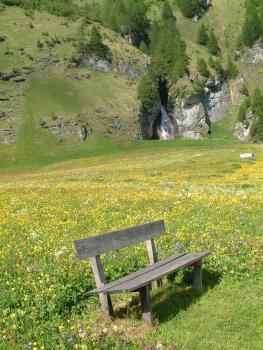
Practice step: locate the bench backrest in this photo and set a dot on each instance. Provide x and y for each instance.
(92, 247)
(97, 245)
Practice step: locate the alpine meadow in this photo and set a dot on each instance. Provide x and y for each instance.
(118, 113)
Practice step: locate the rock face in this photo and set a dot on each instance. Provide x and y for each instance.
(216, 101)
(253, 55)
(148, 121)
(190, 117)
(69, 128)
(7, 136)
(242, 129)
(106, 66)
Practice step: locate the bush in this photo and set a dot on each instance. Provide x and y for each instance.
(217, 66)
(244, 90)
(39, 44)
(199, 87)
(241, 116)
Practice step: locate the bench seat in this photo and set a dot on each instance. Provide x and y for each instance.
(149, 274)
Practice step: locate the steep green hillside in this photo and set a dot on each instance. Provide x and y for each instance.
(51, 99)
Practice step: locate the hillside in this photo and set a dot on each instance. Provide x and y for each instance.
(55, 100)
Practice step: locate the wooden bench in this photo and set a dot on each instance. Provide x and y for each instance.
(141, 280)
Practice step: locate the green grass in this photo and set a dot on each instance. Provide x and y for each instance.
(209, 198)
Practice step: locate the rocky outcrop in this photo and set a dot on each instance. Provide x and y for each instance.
(190, 117)
(64, 128)
(149, 120)
(129, 69)
(7, 136)
(204, 6)
(17, 74)
(242, 129)
(216, 100)
(253, 55)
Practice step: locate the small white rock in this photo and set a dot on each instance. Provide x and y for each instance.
(247, 156)
(159, 346)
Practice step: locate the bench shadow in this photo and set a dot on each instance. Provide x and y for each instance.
(173, 297)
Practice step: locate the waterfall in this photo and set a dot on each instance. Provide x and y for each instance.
(167, 130)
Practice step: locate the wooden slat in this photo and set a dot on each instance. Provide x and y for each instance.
(166, 269)
(105, 300)
(135, 274)
(93, 246)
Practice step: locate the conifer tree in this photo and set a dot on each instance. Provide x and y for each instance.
(232, 70)
(257, 102)
(257, 108)
(212, 44)
(202, 68)
(189, 8)
(167, 12)
(252, 28)
(202, 36)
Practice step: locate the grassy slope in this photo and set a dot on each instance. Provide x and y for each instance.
(208, 196)
(53, 92)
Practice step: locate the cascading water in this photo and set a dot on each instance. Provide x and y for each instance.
(167, 129)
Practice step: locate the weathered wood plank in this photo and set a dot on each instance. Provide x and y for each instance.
(135, 274)
(146, 304)
(105, 300)
(152, 252)
(145, 279)
(92, 246)
(198, 277)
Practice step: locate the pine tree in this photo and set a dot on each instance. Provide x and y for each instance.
(212, 44)
(257, 108)
(202, 36)
(189, 7)
(244, 90)
(242, 111)
(167, 12)
(95, 46)
(252, 27)
(232, 70)
(257, 102)
(202, 68)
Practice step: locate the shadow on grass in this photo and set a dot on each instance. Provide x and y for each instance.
(173, 297)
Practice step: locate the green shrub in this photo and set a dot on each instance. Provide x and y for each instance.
(199, 87)
(244, 90)
(39, 44)
(243, 110)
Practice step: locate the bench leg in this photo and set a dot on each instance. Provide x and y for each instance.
(198, 276)
(106, 306)
(146, 304)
